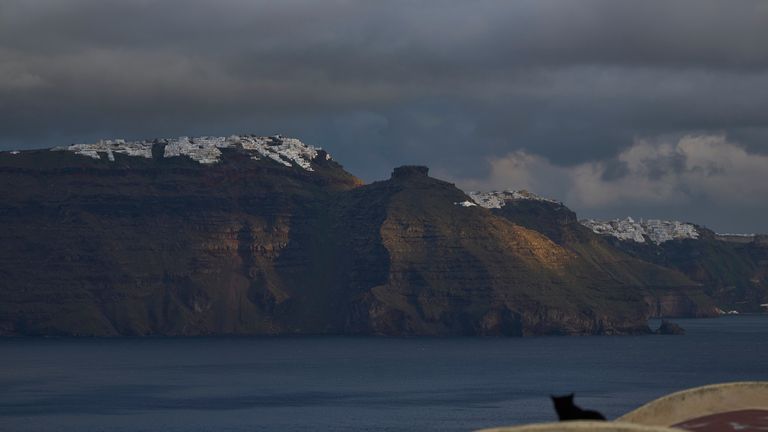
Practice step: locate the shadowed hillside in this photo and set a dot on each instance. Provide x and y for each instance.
(227, 241)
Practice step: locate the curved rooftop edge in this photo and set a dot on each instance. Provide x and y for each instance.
(700, 401)
(582, 426)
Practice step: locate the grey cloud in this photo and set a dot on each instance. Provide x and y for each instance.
(684, 33)
(452, 84)
(698, 178)
(614, 169)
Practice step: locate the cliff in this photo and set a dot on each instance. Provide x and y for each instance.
(265, 235)
(731, 269)
(666, 291)
(134, 245)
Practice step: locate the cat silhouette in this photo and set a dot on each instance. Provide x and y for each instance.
(567, 410)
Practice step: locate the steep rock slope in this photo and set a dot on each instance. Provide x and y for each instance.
(160, 245)
(265, 235)
(733, 273)
(732, 269)
(666, 291)
(453, 268)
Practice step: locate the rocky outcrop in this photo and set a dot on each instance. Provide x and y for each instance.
(688, 303)
(406, 171)
(669, 328)
(468, 270)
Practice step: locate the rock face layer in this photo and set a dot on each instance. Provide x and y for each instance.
(732, 269)
(136, 245)
(734, 273)
(121, 244)
(665, 290)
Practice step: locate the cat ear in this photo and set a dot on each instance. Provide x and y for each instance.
(570, 396)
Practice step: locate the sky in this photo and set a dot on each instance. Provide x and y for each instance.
(655, 109)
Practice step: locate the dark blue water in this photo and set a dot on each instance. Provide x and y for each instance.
(357, 384)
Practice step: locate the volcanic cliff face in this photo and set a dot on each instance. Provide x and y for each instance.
(731, 269)
(162, 245)
(666, 292)
(265, 235)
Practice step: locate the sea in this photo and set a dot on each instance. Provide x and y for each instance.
(358, 383)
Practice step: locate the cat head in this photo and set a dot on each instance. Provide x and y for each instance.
(562, 401)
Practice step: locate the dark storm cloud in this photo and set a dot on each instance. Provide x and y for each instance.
(454, 84)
